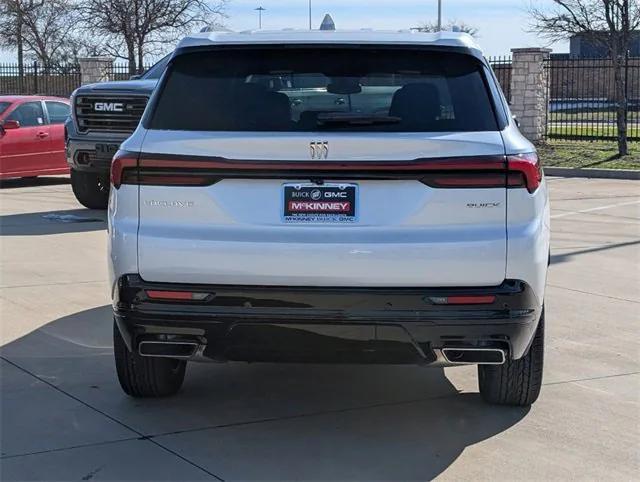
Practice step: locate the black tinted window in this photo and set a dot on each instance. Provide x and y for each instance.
(58, 112)
(338, 89)
(157, 70)
(29, 114)
(3, 106)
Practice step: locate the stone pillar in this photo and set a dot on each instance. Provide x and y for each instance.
(529, 84)
(95, 69)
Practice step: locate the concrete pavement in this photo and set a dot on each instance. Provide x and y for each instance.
(64, 417)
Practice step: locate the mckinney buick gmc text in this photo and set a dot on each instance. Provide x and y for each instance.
(351, 197)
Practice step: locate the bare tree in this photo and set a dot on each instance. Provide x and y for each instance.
(609, 23)
(49, 30)
(451, 25)
(133, 28)
(11, 28)
(42, 29)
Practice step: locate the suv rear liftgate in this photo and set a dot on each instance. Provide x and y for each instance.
(348, 210)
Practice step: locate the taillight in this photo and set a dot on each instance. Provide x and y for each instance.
(465, 180)
(123, 168)
(468, 173)
(170, 171)
(524, 171)
(464, 172)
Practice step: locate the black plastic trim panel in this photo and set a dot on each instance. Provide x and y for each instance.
(327, 324)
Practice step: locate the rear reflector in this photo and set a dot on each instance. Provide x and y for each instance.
(463, 300)
(176, 295)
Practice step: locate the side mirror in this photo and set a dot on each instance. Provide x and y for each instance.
(10, 124)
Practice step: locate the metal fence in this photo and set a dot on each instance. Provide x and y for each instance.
(581, 92)
(582, 99)
(120, 71)
(502, 68)
(59, 81)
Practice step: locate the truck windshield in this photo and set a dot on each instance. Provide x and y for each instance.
(156, 71)
(324, 89)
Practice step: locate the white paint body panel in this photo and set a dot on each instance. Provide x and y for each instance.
(233, 234)
(285, 146)
(318, 37)
(529, 237)
(122, 228)
(407, 234)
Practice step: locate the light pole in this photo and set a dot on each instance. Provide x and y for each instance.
(310, 20)
(439, 15)
(260, 10)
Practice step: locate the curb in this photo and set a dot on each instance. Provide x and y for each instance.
(593, 173)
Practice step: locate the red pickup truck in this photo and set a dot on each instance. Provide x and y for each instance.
(32, 136)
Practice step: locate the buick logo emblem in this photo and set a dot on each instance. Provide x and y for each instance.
(319, 150)
(316, 194)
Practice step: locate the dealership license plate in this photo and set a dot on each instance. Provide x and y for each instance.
(106, 151)
(326, 203)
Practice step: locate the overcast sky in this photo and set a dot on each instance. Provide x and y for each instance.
(502, 24)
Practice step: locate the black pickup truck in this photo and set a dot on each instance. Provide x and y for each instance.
(103, 115)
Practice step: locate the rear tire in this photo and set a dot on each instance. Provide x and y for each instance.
(90, 189)
(145, 377)
(516, 382)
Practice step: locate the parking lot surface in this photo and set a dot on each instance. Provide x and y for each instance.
(64, 417)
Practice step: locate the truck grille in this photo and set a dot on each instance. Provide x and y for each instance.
(112, 114)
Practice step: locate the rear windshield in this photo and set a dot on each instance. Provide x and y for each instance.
(324, 89)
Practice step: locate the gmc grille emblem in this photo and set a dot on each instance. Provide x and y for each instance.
(108, 107)
(319, 150)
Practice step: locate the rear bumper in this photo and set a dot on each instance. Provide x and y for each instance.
(359, 325)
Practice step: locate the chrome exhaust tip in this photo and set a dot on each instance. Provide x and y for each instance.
(474, 356)
(168, 349)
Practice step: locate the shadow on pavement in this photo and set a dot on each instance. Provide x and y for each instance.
(561, 258)
(33, 182)
(53, 222)
(332, 421)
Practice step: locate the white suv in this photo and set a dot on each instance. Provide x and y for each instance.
(351, 197)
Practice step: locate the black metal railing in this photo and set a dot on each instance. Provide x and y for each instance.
(121, 71)
(583, 100)
(60, 80)
(502, 68)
